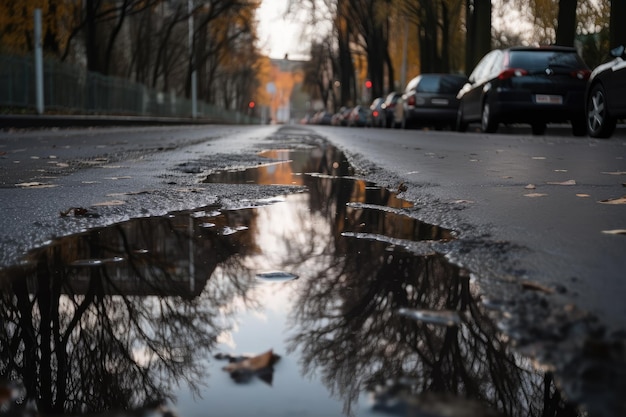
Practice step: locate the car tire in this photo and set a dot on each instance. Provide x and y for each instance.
(488, 124)
(538, 128)
(461, 125)
(599, 122)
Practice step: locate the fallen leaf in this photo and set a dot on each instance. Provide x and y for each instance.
(129, 193)
(530, 187)
(8, 393)
(614, 173)
(535, 195)
(35, 185)
(535, 286)
(615, 232)
(568, 182)
(620, 200)
(462, 202)
(242, 368)
(402, 188)
(583, 195)
(109, 203)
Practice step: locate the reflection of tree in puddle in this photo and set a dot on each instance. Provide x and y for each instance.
(350, 332)
(116, 317)
(348, 326)
(120, 316)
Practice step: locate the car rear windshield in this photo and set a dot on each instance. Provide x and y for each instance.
(540, 60)
(440, 84)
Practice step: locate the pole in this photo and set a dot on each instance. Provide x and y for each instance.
(38, 63)
(194, 79)
(405, 42)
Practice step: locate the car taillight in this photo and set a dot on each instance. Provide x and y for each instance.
(375, 113)
(512, 72)
(411, 101)
(581, 74)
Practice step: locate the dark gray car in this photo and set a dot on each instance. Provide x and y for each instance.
(431, 100)
(534, 85)
(606, 96)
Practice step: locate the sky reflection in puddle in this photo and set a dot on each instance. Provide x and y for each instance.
(369, 327)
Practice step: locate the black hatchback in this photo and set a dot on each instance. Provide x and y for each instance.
(534, 85)
(431, 100)
(606, 95)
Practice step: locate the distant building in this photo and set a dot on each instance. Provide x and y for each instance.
(288, 101)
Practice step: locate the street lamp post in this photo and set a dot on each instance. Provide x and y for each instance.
(194, 80)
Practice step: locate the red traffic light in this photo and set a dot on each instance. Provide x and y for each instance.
(368, 84)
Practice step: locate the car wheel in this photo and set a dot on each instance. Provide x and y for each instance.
(600, 124)
(461, 125)
(538, 128)
(488, 123)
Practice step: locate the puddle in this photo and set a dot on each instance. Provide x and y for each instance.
(330, 302)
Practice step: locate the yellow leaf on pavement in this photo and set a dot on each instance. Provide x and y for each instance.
(568, 182)
(620, 200)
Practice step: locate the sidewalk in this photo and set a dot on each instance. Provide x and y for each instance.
(37, 121)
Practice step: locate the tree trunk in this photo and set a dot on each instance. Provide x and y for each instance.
(112, 37)
(346, 76)
(566, 24)
(617, 28)
(478, 17)
(91, 41)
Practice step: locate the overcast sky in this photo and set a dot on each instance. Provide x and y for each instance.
(279, 36)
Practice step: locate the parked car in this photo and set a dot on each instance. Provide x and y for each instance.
(606, 95)
(389, 106)
(341, 117)
(431, 100)
(535, 85)
(358, 116)
(321, 118)
(376, 117)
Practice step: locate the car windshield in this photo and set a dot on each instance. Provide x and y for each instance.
(440, 84)
(540, 60)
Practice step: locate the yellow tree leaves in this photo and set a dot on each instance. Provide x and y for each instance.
(17, 23)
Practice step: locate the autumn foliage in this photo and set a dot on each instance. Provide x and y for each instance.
(158, 43)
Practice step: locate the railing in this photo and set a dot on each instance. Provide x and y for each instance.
(68, 88)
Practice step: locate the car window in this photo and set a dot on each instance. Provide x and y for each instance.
(484, 67)
(451, 84)
(540, 60)
(428, 84)
(413, 83)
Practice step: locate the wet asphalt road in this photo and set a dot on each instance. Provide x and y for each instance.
(537, 216)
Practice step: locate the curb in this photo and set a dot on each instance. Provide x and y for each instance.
(35, 121)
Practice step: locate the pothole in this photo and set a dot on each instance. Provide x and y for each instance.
(329, 302)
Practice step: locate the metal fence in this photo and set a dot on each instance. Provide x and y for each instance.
(72, 89)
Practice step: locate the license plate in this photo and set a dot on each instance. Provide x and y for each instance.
(548, 99)
(440, 101)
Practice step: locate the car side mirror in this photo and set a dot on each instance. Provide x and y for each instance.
(617, 52)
